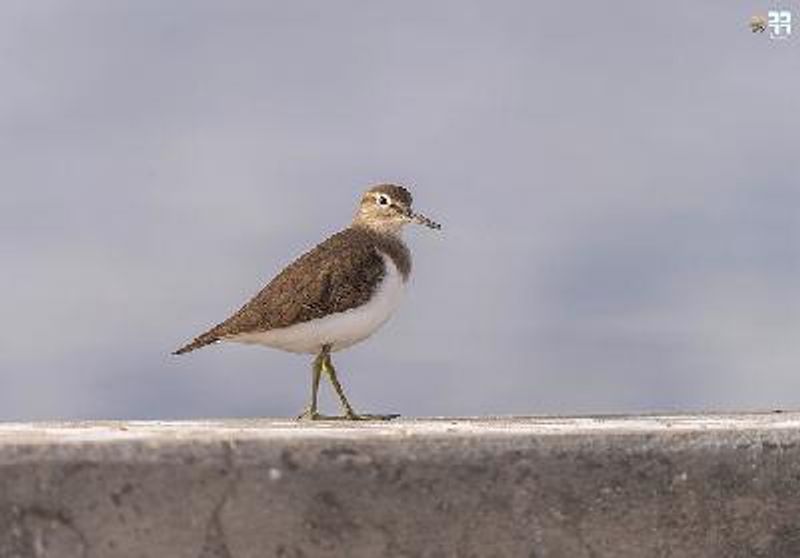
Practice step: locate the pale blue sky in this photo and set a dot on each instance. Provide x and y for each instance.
(619, 189)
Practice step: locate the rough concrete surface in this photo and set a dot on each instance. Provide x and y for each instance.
(705, 486)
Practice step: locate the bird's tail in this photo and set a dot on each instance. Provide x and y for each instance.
(201, 341)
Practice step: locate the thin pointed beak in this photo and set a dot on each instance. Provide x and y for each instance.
(422, 220)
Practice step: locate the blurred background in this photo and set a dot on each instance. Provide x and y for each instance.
(619, 189)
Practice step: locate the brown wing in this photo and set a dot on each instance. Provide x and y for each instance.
(337, 275)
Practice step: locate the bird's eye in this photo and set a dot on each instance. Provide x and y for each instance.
(383, 200)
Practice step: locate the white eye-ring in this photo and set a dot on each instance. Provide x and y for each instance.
(383, 199)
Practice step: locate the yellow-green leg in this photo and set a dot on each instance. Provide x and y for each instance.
(316, 371)
(349, 413)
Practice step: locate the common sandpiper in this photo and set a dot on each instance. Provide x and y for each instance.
(334, 296)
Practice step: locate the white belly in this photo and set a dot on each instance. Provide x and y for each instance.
(340, 330)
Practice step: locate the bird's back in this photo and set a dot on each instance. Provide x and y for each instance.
(341, 273)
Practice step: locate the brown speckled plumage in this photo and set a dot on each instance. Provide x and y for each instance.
(339, 274)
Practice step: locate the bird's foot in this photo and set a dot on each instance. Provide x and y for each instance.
(351, 415)
(309, 414)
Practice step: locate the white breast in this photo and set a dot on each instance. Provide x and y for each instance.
(340, 330)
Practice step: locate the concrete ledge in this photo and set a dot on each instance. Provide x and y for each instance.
(705, 486)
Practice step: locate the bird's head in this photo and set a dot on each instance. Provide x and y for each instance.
(386, 208)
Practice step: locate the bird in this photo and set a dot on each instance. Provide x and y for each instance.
(335, 295)
(758, 24)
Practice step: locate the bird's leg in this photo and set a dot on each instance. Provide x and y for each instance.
(349, 413)
(316, 371)
(327, 366)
